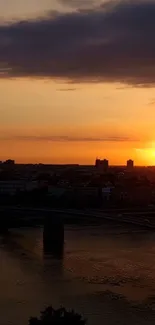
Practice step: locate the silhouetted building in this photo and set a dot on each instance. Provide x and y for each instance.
(102, 165)
(97, 162)
(130, 165)
(11, 187)
(9, 162)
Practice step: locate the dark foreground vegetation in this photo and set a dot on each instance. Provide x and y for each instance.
(61, 316)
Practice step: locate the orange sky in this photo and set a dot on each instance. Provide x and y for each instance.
(55, 122)
(45, 121)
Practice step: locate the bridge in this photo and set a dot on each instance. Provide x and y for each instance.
(16, 216)
(53, 220)
(53, 227)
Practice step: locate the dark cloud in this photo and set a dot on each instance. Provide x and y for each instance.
(114, 42)
(67, 138)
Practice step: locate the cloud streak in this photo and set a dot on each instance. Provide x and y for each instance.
(66, 89)
(67, 138)
(111, 43)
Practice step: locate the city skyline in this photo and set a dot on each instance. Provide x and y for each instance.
(98, 162)
(58, 106)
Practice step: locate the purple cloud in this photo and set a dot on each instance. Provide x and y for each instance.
(114, 42)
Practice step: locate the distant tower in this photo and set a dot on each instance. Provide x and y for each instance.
(102, 165)
(105, 165)
(130, 165)
(97, 162)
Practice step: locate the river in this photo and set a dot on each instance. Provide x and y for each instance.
(106, 272)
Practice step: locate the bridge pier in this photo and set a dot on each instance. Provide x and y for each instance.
(53, 235)
(4, 225)
(3, 229)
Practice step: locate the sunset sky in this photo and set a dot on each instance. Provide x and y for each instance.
(77, 81)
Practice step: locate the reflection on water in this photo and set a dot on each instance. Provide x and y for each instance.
(102, 271)
(56, 253)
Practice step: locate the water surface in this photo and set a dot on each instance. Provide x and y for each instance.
(106, 272)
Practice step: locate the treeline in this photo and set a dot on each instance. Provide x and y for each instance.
(61, 316)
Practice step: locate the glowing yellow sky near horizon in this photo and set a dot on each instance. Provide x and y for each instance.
(118, 119)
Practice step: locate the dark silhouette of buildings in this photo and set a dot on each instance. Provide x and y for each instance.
(9, 162)
(130, 165)
(102, 165)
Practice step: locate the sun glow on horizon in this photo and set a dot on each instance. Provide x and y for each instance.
(147, 155)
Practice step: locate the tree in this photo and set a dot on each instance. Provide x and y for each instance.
(61, 316)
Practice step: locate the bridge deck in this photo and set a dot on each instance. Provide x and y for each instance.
(141, 218)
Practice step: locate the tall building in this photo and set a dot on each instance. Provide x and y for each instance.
(130, 165)
(97, 162)
(102, 165)
(105, 165)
